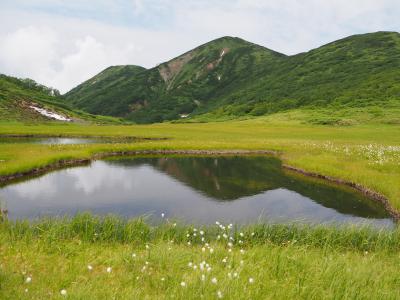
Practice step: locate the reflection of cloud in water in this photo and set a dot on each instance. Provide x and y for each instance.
(40, 187)
(101, 176)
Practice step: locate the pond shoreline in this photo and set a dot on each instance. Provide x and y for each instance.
(355, 186)
(4, 179)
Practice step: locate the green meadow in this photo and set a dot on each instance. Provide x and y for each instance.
(111, 258)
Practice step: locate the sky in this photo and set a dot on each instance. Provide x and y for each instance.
(62, 43)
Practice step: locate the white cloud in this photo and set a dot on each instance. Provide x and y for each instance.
(61, 44)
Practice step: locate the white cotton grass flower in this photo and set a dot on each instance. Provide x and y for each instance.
(183, 284)
(147, 246)
(241, 234)
(241, 251)
(235, 275)
(190, 264)
(251, 280)
(224, 260)
(201, 232)
(203, 249)
(109, 270)
(217, 223)
(162, 278)
(203, 277)
(219, 294)
(63, 292)
(214, 280)
(211, 250)
(162, 215)
(28, 279)
(230, 245)
(133, 255)
(89, 267)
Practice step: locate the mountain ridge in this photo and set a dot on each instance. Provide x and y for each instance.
(232, 77)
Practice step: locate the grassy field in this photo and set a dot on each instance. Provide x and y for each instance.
(279, 262)
(92, 258)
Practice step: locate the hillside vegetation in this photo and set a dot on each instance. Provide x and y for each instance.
(230, 78)
(17, 96)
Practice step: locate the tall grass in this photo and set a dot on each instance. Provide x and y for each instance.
(113, 229)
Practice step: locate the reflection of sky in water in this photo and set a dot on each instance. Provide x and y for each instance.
(130, 191)
(63, 141)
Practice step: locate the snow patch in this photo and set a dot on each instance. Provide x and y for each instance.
(50, 114)
(184, 115)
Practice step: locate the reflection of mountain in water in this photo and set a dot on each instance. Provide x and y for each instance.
(231, 178)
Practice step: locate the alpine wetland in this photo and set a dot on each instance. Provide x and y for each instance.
(228, 171)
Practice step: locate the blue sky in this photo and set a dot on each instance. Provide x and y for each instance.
(62, 43)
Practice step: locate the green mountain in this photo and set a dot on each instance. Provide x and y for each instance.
(27, 101)
(232, 77)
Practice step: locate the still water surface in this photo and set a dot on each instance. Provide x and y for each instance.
(63, 141)
(197, 190)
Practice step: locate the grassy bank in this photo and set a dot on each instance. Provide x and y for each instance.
(93, 258)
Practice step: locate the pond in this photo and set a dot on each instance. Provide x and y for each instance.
(63, 140)
(196, 190)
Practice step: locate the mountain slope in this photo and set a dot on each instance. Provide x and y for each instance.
(176, 87)
(357, 71)
(27, 101)
(232, 77)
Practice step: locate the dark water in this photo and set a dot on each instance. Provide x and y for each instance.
(63, 141)
(192, 189)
